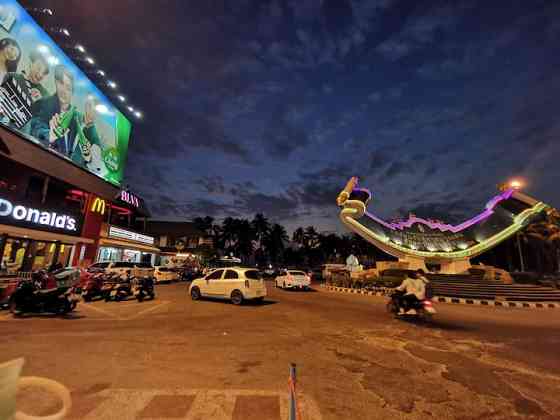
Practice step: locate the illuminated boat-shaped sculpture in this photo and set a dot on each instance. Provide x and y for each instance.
(419, 241)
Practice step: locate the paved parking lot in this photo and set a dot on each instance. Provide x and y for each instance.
(175, 358)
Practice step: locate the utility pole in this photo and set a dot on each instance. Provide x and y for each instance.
(520, 253)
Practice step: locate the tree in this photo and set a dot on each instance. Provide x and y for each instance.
(204, 224)
(298, 236)
(275, 242)
(260, 226)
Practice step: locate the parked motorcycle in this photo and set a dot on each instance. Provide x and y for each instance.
(93, 287)
(122, 289)
(144, 287)
(37, 295)
(423, 309)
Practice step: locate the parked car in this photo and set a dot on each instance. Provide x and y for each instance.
(165, 274)
(121, 267)
(236, 283)
(293, 279)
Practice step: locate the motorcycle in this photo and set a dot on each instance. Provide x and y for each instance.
(37, 295)
(144, 287)
(122, 289)
(93, 287)
(423, 309)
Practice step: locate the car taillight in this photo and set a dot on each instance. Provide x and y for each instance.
(247, 284)
(427, 303)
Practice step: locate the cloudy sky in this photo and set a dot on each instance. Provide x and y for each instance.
(270, 106)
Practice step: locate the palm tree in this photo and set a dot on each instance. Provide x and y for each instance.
(299, 236)
(205, 224)
(311, 238)
(275, 242)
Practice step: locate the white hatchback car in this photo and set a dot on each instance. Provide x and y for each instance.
(293, 279)
(165, 274)
(234, 283)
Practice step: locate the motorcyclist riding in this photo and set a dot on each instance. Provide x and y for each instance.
(414, 288)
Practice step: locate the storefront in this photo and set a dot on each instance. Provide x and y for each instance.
(118, 244)
(35, 237)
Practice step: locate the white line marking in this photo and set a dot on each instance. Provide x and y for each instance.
(145, 311)
(103, 311)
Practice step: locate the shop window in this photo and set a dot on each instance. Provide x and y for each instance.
(108, 254)
(131, 255)
(64, 255)
(43, 255)
(14, 254)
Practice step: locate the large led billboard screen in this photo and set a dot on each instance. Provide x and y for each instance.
(52, 103)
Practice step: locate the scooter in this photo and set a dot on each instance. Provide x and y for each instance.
(31, 296)
(144, 287)
(423, 309)
(122, 289)
(93, 287)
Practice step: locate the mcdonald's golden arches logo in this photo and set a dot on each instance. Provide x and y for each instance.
(98, 206)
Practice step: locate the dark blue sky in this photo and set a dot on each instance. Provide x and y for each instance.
(270, 106)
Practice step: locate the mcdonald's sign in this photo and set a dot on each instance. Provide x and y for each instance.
(98, 206)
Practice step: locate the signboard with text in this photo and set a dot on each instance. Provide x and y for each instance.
(120, 233)
(33, 217)
(50, 101)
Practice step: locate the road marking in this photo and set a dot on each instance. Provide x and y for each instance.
(103, 311)
(127, 404)
(145, 311)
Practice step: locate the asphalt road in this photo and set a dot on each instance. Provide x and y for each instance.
(175, 358)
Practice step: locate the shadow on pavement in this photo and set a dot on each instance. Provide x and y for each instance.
(245, 302)
(436, 324)
(70, 316)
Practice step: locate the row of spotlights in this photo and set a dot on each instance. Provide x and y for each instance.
(110, 83)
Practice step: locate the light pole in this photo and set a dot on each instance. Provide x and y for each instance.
(520, 253)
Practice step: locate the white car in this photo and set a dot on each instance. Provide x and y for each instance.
(165, 274)
(293, 279)
(121, 267)
(234, 283)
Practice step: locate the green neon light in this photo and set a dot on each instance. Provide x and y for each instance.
(518, 223)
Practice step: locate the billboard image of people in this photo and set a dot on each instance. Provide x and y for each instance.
(49, 100)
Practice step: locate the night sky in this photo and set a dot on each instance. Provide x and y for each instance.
(270, 106)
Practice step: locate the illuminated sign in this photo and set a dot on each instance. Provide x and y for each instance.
(40, 82)
(130, 198)
(116, 232)
(98, 206)
(17, 214)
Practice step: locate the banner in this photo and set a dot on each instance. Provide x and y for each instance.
(49, 100)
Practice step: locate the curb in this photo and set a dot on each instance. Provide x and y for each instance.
(457, 301)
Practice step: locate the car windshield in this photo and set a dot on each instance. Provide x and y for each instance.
(297, 273)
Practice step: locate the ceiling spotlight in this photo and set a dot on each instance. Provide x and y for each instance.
(131, 109)
(65, 31)
(48, 11)
(80, 48)
(122, 98)
(111, 84)
(102, 109)
(43, 49)
(138, 114)
(101, 73)
(90, 60)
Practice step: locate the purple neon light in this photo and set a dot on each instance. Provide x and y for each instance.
(490, 206)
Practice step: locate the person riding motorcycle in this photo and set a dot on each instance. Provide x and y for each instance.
(414, 288)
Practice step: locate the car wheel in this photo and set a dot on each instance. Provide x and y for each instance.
(236, 297)
(195, 293)
(86, 298)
